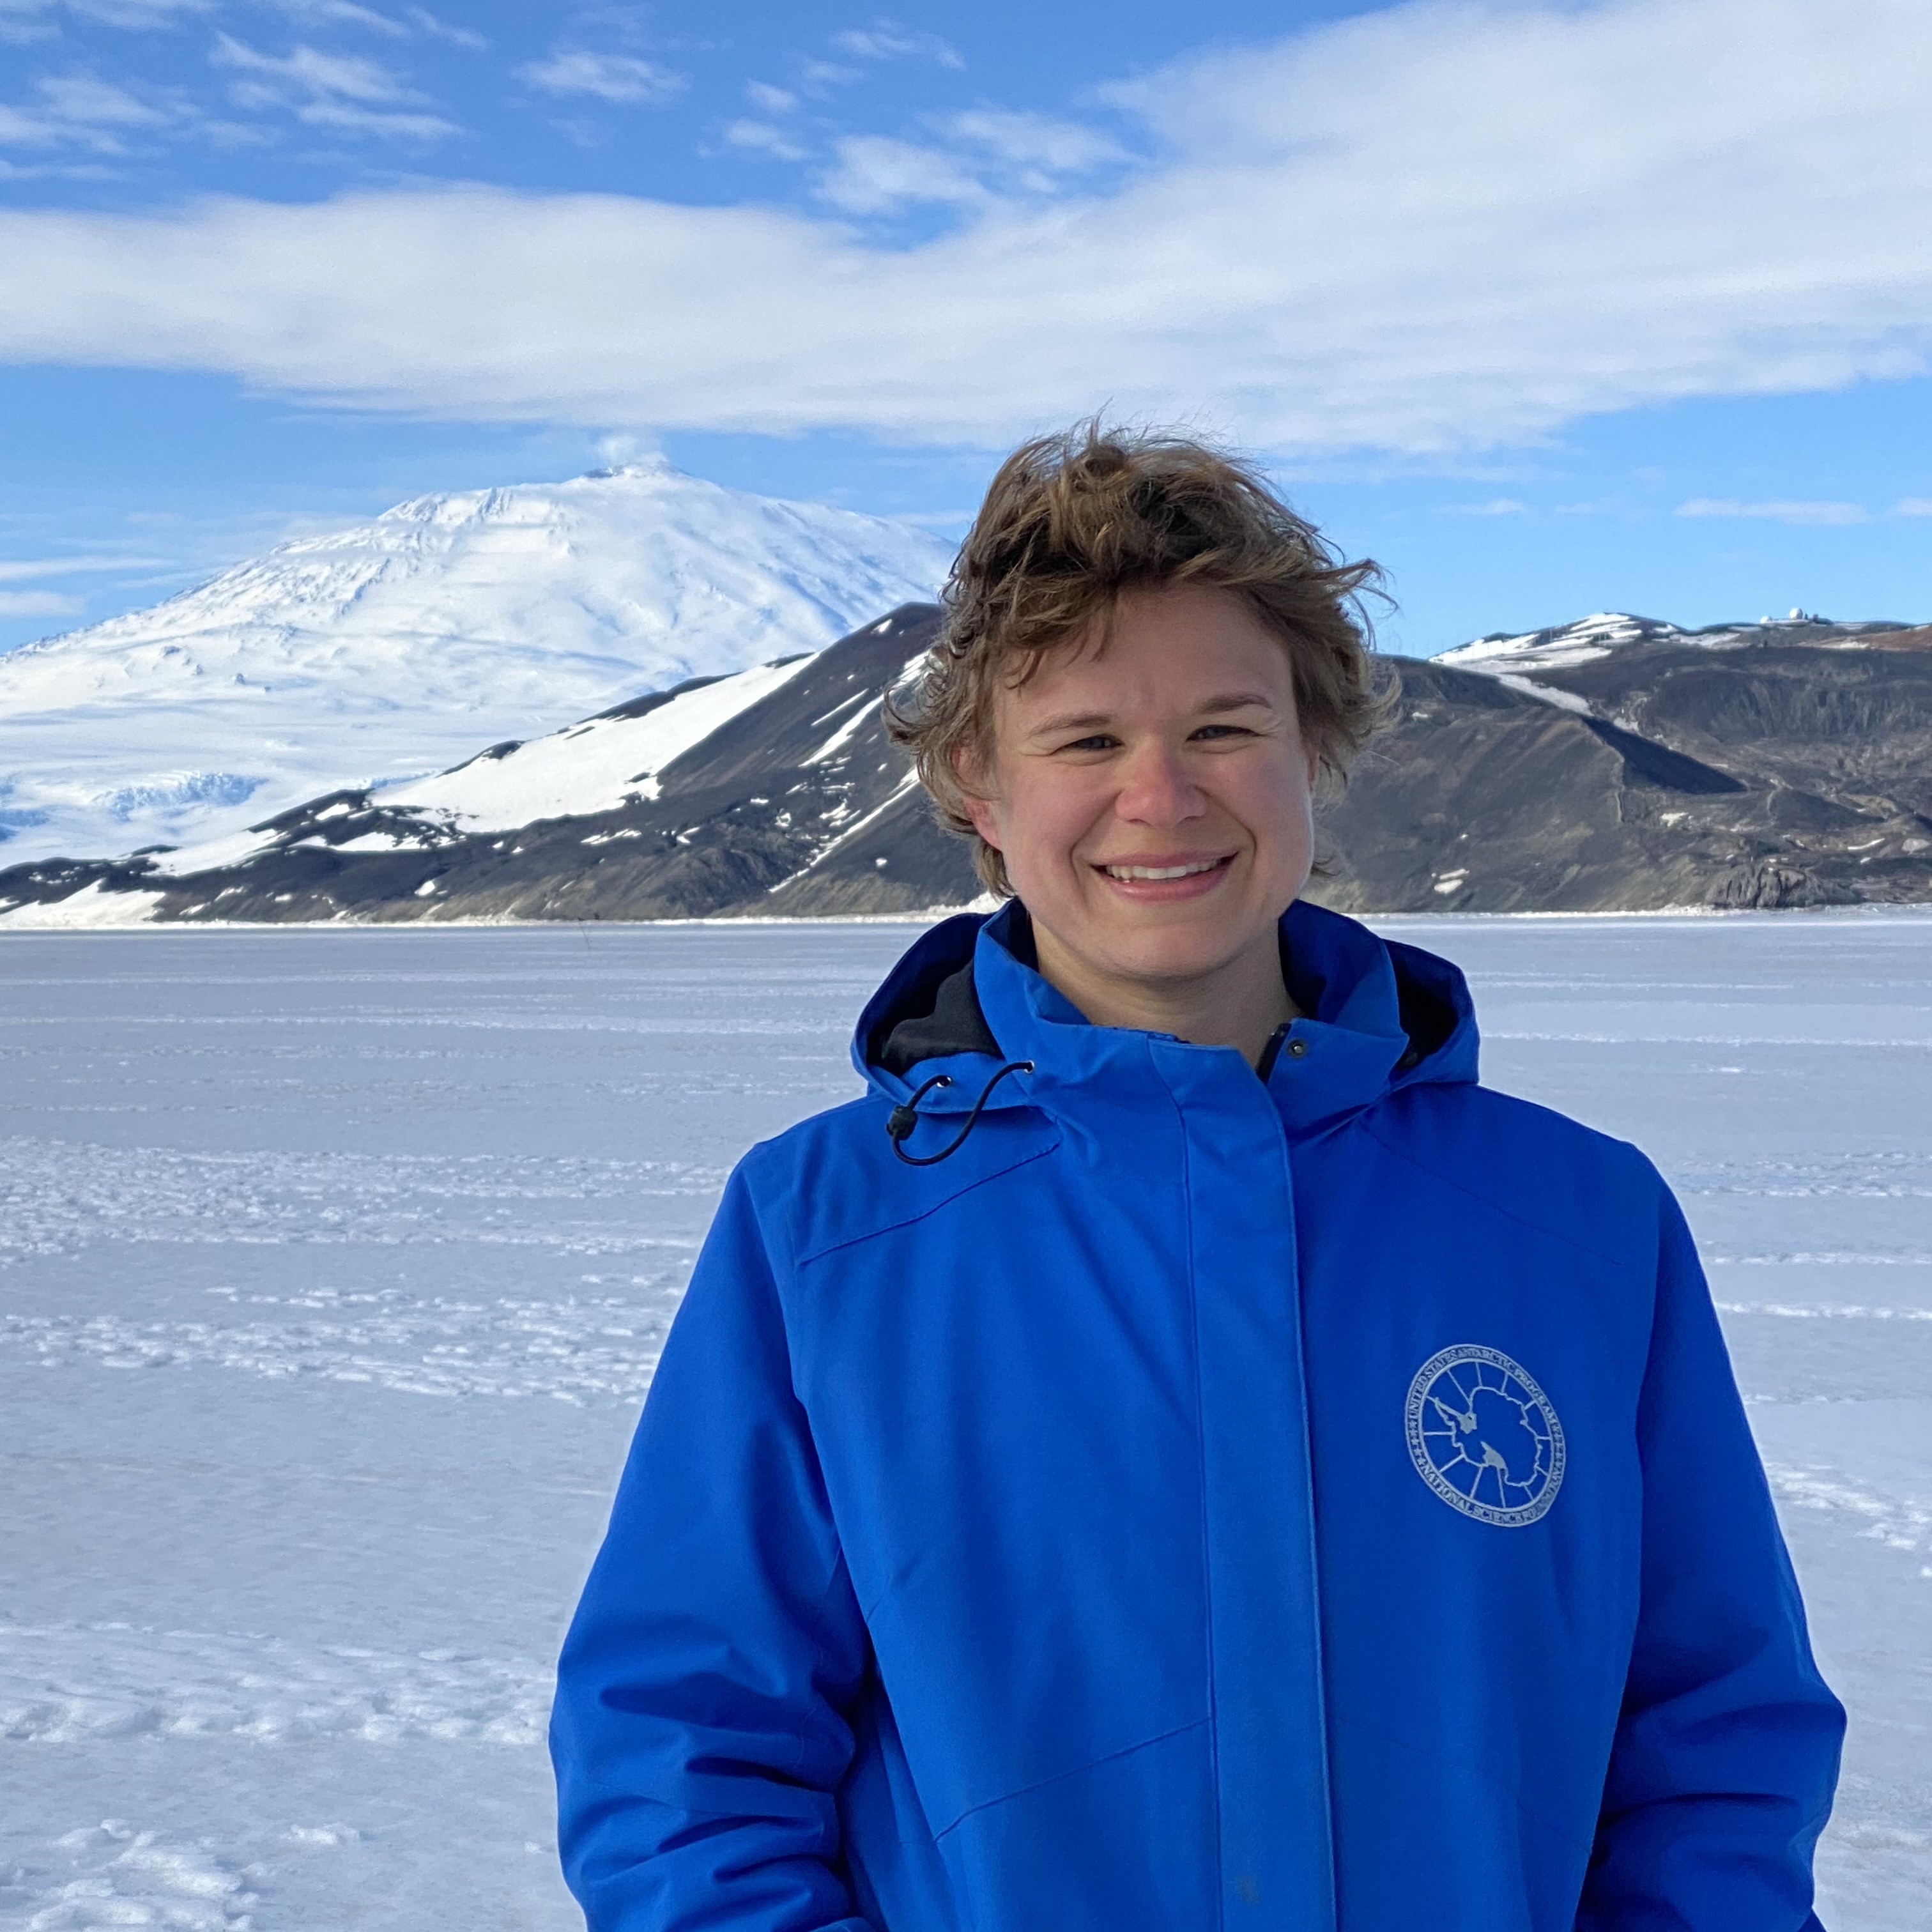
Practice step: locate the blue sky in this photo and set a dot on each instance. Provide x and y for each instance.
(1549, 308)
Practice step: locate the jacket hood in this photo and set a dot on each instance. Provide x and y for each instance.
(967, 999)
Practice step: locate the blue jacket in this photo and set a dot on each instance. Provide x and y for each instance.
(1312, 1502)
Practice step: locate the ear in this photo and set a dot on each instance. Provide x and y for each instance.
(973, 794)
(980, 812)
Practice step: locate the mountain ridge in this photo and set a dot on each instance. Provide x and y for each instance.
(1779, 770)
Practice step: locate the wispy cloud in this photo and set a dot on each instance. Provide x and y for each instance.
(433, 27)
(768, 99)
(875, 174)
(886, 41)
(819, 77)
(19, 570)
(762, 135)
(38, 603)
(32, 17)
(344, 93)
(977, 157)
(1778, 510)
(412, 22)
(622, 79)
(339, 14)
(1359, 238)
(80, 110)
(1044, 147)
(1496, 506)
(1913, 506)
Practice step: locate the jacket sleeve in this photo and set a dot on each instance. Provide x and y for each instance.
(698, 1735)
(1726, 1752)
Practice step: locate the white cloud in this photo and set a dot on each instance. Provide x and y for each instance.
(1427, 230)
(1913, 506)
(139, 15)
(819, 77)
(761, 134)
(874, 174)
(768, 99)
(883, 42)
(1496, 506)
(427, 23)
(345, 93)
(1780, 510)
(345, 117)
(85, 98)
(36, 604)
(620, 78)
(16, 570)
(887, 40)
(80, 110)
(1036, 141)
(350, 76)
(340, 14)
(994, 154)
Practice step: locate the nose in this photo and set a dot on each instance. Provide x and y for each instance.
(1156, 788)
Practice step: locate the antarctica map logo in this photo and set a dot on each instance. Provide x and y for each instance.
(1484, 1436)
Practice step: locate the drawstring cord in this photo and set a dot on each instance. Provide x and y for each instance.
(904, 1117)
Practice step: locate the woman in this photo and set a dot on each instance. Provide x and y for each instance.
(1178, 1452)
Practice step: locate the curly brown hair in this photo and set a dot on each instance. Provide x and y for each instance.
(1073, 521)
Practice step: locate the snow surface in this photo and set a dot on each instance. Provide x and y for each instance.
(1591, 637)
(1598, 635)
(335, 1263)
(399, 647)
(1545, 694)
(591, 767)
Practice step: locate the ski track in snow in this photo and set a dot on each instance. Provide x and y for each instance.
(70, 1683)
(1899, 1523)
(57, 1197)
(1827, 1312)
(570, 1351)
(377, 1761)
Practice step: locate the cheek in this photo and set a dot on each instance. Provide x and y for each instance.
(1048, 811)
(1276, 802)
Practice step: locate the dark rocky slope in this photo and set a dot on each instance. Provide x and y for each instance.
(1785, 765)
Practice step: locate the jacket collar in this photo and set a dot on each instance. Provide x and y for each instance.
(966, 999)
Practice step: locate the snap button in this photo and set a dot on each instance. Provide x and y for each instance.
(1298, 1049)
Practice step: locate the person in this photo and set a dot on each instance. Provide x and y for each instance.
(1178, 1452)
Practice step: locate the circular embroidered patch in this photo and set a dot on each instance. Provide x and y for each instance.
(1484, 1437)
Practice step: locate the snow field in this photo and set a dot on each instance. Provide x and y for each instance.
(333, 1266)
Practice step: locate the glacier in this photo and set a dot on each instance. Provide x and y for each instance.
(336, 1260)
(393, 649)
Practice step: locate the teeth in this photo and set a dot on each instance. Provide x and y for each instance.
(1160, 871)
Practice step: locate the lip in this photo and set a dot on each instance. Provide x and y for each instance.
(1188, 885)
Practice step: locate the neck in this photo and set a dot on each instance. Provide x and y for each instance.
(1241, 1004)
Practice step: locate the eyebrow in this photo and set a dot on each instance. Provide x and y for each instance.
(1091, 721)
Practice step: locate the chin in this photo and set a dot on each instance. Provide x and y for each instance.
(1176, 951)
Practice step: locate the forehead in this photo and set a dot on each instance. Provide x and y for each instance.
(1161, 651)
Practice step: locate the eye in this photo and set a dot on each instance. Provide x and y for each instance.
(1218, 731)
(1095, 741)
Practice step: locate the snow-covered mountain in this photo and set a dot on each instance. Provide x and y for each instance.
(1651, 772)
(390, 651)
(1563, 645)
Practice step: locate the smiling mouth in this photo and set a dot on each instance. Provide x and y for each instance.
(1186, 871)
